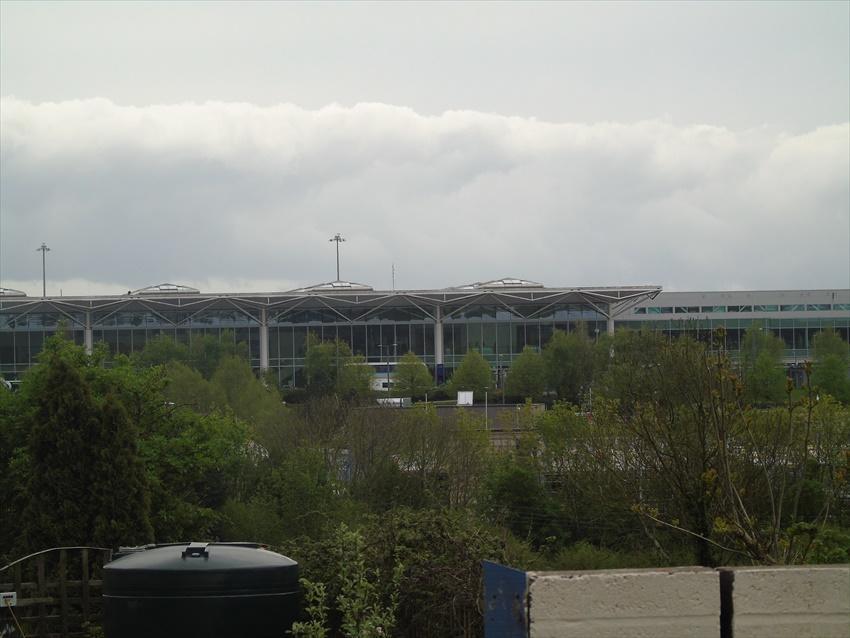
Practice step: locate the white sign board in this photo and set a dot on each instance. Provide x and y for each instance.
(464, 398)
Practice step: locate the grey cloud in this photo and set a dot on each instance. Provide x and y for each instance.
(236, 196)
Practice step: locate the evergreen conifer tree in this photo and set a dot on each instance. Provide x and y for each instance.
(86, 483)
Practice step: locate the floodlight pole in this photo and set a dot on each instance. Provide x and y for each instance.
(337, 238)
(44, 250)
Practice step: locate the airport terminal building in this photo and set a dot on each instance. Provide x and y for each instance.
(498, 318)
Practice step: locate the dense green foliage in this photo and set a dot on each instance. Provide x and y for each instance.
(73, 437)
(412, 378)
(569, 364)
(473, 374)
(681, 457)
(331, 368)
(761, 366)
(832, 360)
(527, 376)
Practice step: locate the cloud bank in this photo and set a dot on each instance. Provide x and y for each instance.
(233, 196)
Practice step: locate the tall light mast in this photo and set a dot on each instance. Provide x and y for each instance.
(337, 238)
(44, 250)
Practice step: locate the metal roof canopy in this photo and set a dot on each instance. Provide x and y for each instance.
(609, 301)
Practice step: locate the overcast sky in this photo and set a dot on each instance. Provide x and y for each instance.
(695, 146)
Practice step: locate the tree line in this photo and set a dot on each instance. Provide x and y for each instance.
(652, 453)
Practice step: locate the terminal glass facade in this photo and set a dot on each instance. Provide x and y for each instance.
(439, 326)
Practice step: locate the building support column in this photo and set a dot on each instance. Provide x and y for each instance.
(88, 335)
(438, 345)
(610, 322)
(264, 340)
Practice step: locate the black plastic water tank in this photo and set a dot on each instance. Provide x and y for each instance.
(208, 590)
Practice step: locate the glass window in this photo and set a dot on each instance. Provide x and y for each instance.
(733, 338)
(474, 340)
(429, 339)
(254, 343)
(460, 339)
(417, 338)
(343, 333)
(388, 340)
(655, 310)
(546, 331)
(547, 315)
(36, 343)
(488, 339)
(373, 343)
(300, 341)
(274, 343)
(740, 309)
(532, 335)
(714, 308)
(285, 342)
(768, 308)
(640, 311)
(841, 306)
(7, 348)
(22, 348)
(124, 341)
(818, 307)
(358, 345)
(139, 340)
(504, 339)
(794, 307)
(519, 337)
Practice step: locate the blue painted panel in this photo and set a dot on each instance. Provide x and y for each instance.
(505, 601)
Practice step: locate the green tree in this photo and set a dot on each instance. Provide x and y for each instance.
(425, 565)
(14, 466)
(120, 488)
(515, 496)
(207, 351)
(412, 377)
(671, 398)
(320, 365)
(186, 387)
(761, 366)
(354, 378)
(473, 373)
(298, 497)
(832, 365)
(160, 350)
(86, 484)
(569, 361)
(331, 368)
(195, 463)
(527, 376)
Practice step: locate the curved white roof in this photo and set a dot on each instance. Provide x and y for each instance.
(167, 289)
(504, 282)
(335, 285)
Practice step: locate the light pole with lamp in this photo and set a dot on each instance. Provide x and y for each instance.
(337, 238)
(44, 250)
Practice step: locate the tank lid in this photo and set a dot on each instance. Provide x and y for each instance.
(197, 569)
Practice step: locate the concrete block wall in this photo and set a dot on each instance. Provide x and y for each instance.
(650, 603)
(689, 602)
(791, 602)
